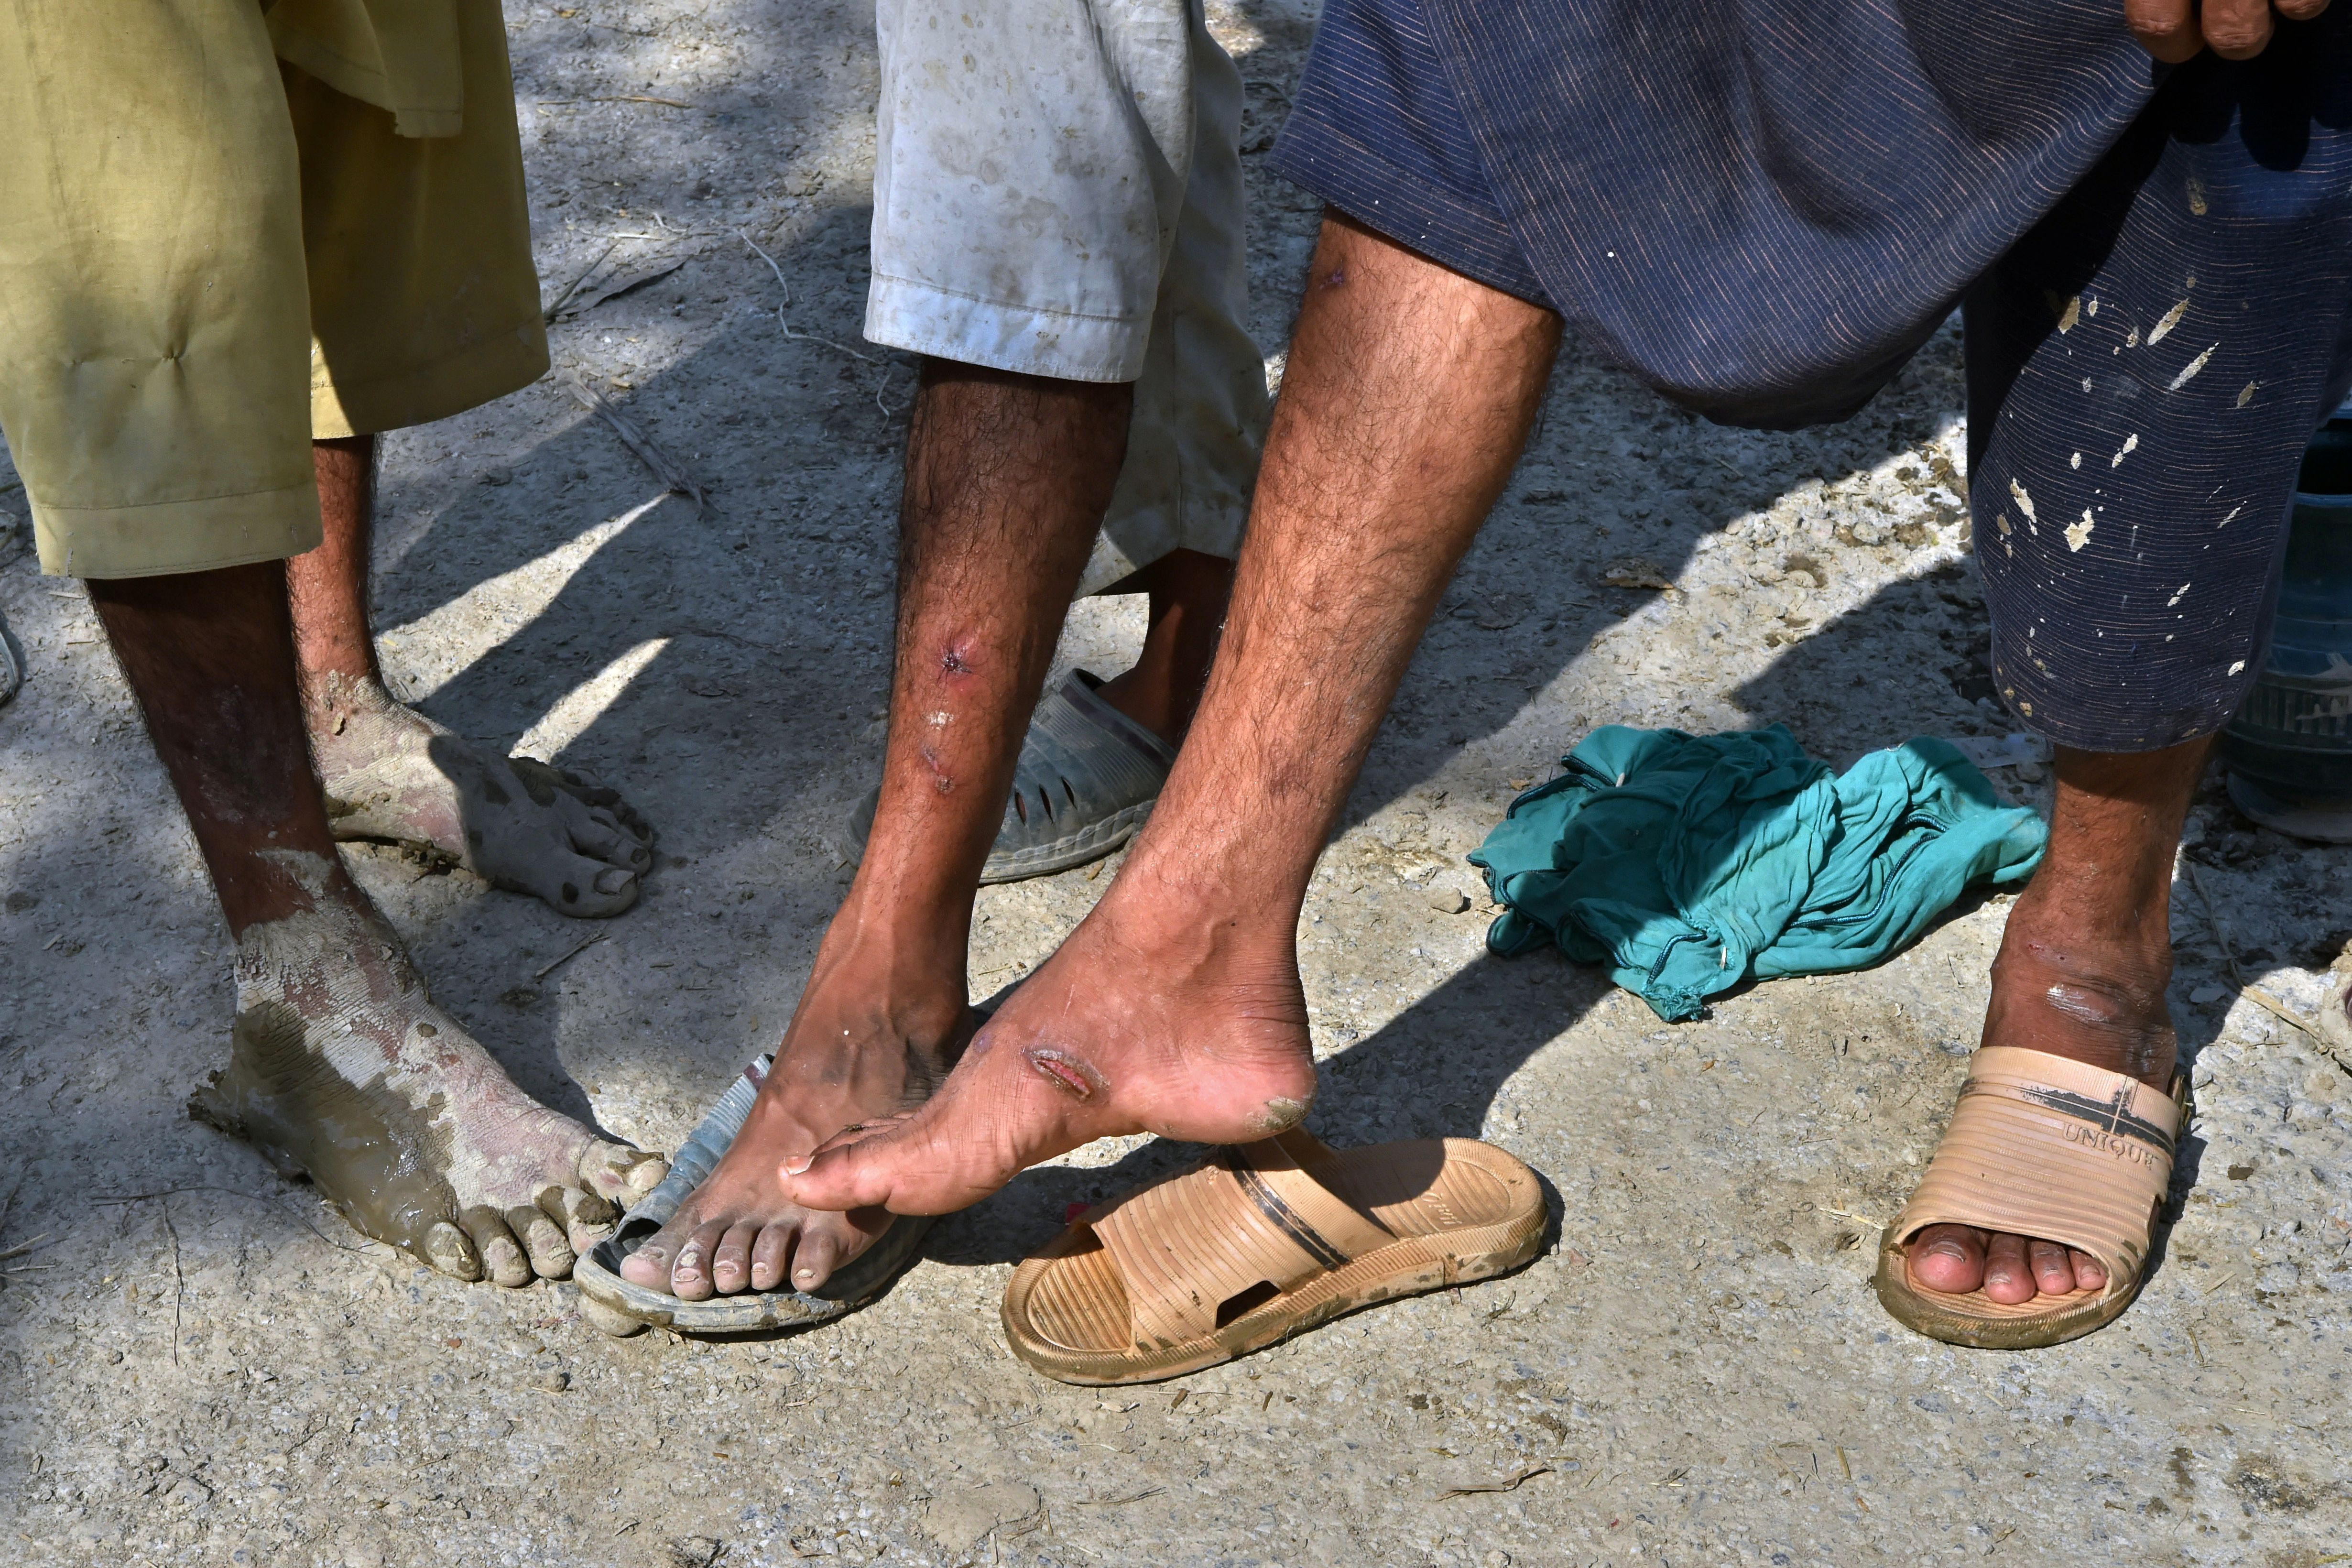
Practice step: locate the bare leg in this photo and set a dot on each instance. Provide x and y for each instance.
(1190, 592)
(340, 1065)
(1007, 477)
(2081, 973)
(392, 773)
(1176, 1007)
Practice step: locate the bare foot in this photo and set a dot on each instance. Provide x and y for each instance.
(392, 773)
(1149, 1019)
(2057, 990)
(848, 1059)
(341, 1068)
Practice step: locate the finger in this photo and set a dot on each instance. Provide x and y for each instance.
(543, 1242)
(2237, 29)
(593, 831)
(689, 1277)
(586, 1217)
(504, 1262)
(813, 1263)
(2090, 1274)
(1948, 1257)
(730, 1266)
(771, 1255)
(448, 1249)
(651, 1263)
(2053, 1271)
(2006, 1278)
(2165, 29)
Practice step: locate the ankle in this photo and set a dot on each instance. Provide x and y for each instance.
(332, 697)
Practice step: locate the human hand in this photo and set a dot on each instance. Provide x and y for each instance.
(2175, 30)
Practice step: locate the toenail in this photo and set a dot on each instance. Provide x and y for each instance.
(612, 880)
(798, 1164)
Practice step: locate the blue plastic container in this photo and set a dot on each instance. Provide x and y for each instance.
(2289, 750)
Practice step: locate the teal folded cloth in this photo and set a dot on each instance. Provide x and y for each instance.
(1690, 863)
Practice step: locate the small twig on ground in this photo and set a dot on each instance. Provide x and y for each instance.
(771, 261)
(1511, 1483)
(20, 1251)
(677, 480)
(179, 1281)
(547, 969)
(792, 336)
(574, 287)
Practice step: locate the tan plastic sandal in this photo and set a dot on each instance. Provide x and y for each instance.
(1263, 1241)
(2042, 1146)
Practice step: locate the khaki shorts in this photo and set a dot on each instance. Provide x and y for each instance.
(209, 256)
(1058, 190)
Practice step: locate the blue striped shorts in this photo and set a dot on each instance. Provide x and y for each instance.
(2155, 269)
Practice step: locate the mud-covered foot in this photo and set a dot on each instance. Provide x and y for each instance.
(848, 1059)
(391, 773)
(342, 1069)
(2057, 989)
(1154, 1017)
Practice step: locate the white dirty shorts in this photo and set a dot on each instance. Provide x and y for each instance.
(1057, 191)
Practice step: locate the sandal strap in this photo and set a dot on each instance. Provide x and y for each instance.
(2041, 1145)
(1252, 1215)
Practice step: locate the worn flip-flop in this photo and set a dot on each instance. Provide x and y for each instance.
(1260, 1242)
(624, 1308)
(1087, 777)
(2043, 1146)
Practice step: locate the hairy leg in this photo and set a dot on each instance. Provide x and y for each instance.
(2081, 973)
(1190, 593)
(339, 1064)
(392, 773)
(1176, 1006)
(1007, 477)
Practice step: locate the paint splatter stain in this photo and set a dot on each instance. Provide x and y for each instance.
(2197, 205)
(2248, 395)
(2163, 329)
(2178, 594)
(2024, 501)
(2189, 370)
(2079, 534)
(2131, 444)
(2070, 315)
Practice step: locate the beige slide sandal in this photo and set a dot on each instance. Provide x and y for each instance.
(2042, 1146)
(1261, 1241)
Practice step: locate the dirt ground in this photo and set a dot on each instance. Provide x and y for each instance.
(199, 1363)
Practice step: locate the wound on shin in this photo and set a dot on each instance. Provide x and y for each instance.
(372, 1154)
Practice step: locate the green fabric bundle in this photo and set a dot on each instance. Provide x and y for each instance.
(1689, 863)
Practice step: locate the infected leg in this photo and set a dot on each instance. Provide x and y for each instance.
(1007, 477)
(1176, 1007)
(339, 1064)
(2081, 973)
(392, 773)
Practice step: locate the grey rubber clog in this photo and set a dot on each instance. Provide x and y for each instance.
(1087, 780)
(620, 1308)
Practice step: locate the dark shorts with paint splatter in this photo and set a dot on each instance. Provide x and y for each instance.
(1763, 207)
